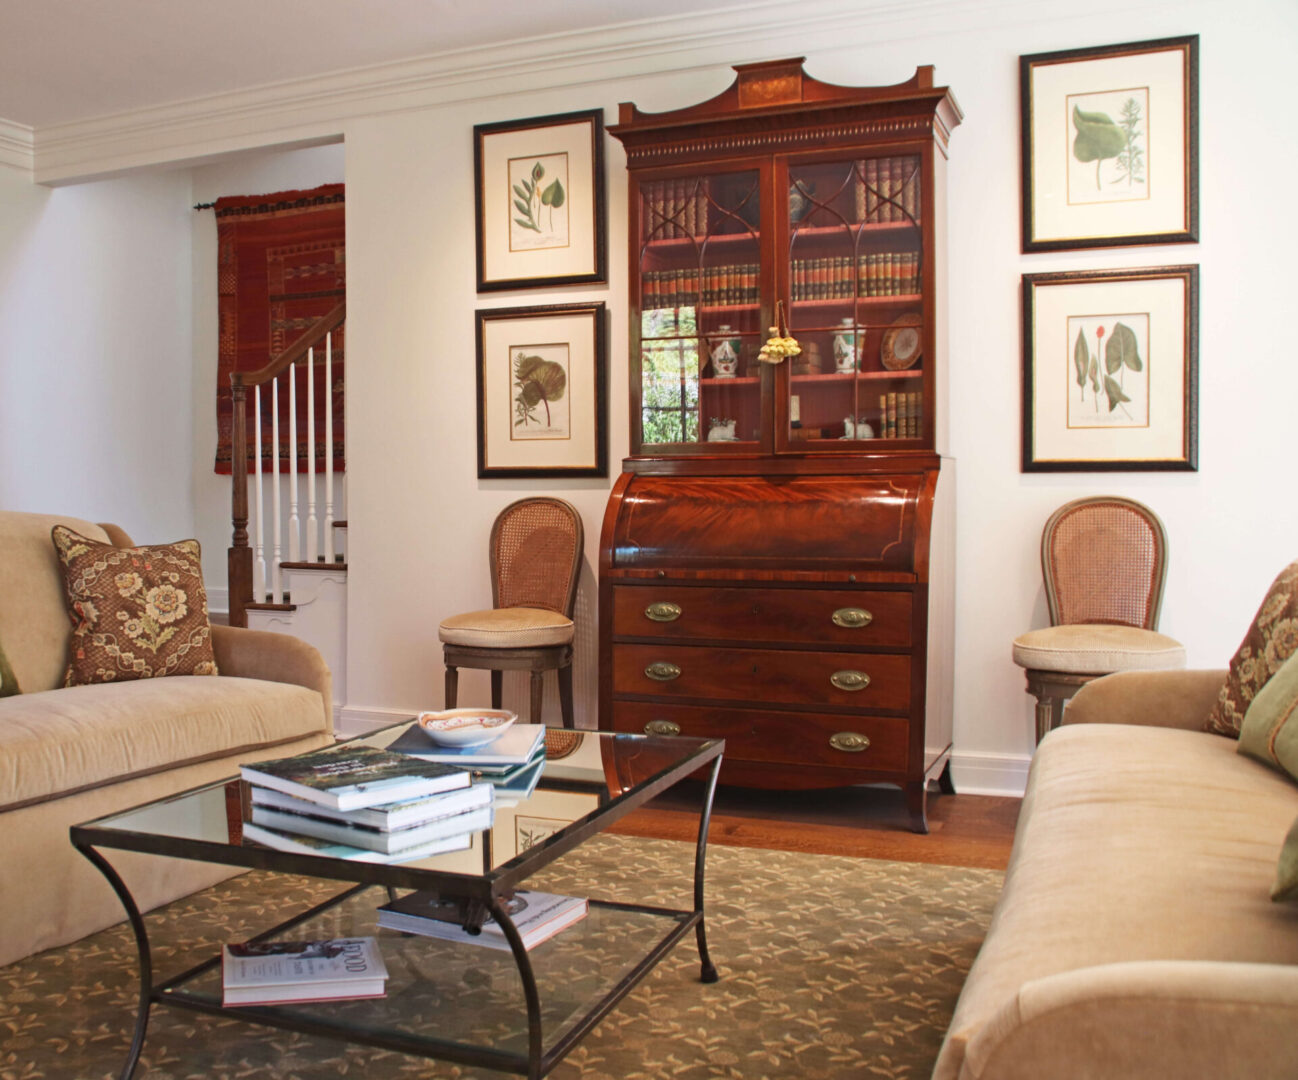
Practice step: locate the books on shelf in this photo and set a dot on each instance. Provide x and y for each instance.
(398, 842)
(537, 916)
(349, 777)
(901, 415)
(516, 747)
(278, 972)
(389, 816)
(880, 273)
(888, 190)
(709, 286)
(301, 844)
(671, 209)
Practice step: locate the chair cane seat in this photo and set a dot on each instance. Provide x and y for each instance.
(507, 628)
(1097, 649)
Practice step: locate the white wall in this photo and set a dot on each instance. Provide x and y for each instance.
(94, 352)
(246, 174)
(418, 531)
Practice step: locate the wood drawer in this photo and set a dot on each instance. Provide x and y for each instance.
(778, 616)
(783, 738)
(761, 675)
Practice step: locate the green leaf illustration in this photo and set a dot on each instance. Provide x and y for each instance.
(538, 380)
(1098, 138)
(1081, 360)
(538, 171)
(1122, 349)
(1116, 396)
(521, 205)
(553, 195)
(521, 190)
(1094, 372)
(527, 224)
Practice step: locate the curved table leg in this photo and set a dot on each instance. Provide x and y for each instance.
(142, 946)
(530, 993)
(708, 973)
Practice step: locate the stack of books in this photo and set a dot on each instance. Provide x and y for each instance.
(510, 765)
(280, 972)
(364, 804)
(537, 916)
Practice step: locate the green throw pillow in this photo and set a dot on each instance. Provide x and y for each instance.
(1270, 729)
(8, 684)
(1286, 873)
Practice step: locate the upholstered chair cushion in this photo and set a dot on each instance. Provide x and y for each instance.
(1268, 644)
(1097, 649)
(507, 628)
(137, 613)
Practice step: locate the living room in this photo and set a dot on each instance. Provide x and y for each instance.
(107, 314)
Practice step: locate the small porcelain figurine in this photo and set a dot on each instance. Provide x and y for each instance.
(845, 348)
(721, 430)
(725, 355)
(849, 428)
(863, 428)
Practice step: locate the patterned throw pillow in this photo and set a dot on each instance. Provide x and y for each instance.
(1270, 729)
(1268, 644)
(137, 613)
(8, 684)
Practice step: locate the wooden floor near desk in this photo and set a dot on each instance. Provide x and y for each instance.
(866, 822)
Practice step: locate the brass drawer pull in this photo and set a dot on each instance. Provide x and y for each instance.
(850, 680)
(663, 611)
(849, 742)
(662, 671)
(852, 618)
(662, 727)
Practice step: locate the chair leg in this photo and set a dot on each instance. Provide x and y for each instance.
(1053, 689)
(452, 685)
(565, 695)
(538, 688)
(497, 688)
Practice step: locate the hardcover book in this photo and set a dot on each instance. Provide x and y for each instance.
(537, 916)
(300, 844)
(275, 972)
(390, 816)
(515, 747)
(350, 777)
(295, 823)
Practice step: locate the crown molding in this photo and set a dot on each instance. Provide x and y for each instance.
(17, 146)
(317, 110)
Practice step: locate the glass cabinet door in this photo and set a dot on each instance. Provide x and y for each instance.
(854, 286)
(700, 326)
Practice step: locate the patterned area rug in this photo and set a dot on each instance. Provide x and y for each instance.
(830, 967)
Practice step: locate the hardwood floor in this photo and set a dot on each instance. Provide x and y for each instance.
(865, 822)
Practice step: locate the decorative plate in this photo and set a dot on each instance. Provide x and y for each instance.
(902, 344)
(466, 727)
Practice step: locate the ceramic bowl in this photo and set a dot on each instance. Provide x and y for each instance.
(466, 727)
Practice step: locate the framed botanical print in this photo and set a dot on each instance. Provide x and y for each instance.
(1110, 145)
(539, 201)
(1111, 370)
(542, 391)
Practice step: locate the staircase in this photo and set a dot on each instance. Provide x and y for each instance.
(288, 572)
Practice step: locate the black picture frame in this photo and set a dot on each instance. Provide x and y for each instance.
(1059, 213)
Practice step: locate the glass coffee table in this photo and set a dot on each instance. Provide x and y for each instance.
(514, 1011)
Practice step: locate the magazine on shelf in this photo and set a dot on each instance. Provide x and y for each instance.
(349, 777)
(275, 972)
(390, 816)
(538, 917)
(516, 747)
(363, 836)
(313, 845)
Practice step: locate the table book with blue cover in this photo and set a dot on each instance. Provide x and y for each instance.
(517, 746)
(348, 777)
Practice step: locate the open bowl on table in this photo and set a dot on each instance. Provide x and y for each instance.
(466, 727)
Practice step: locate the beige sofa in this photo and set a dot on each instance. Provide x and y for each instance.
(1135, 936)
(69, 755)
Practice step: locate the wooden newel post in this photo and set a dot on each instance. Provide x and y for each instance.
(239, 556)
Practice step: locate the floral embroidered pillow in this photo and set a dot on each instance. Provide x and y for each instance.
(1267, 645)
(137, 613)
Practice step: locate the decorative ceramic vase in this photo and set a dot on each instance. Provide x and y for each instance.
(724, 351)
(799, 203)
(721, 430)
(845, 348)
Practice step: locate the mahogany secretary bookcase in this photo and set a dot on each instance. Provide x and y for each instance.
(776, 563)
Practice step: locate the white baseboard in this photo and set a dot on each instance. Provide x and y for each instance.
(990, 774)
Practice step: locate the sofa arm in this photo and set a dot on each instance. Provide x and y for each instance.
(1144, 1020)
(261, 654)
(1179, 699)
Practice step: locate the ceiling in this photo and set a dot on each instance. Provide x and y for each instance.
(66, 60)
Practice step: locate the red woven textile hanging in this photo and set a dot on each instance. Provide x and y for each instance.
(281, 266)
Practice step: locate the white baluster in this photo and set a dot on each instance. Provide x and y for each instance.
(259, 551)
(276, 590)
(312, 526)
(328, 536)
(294, 525)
